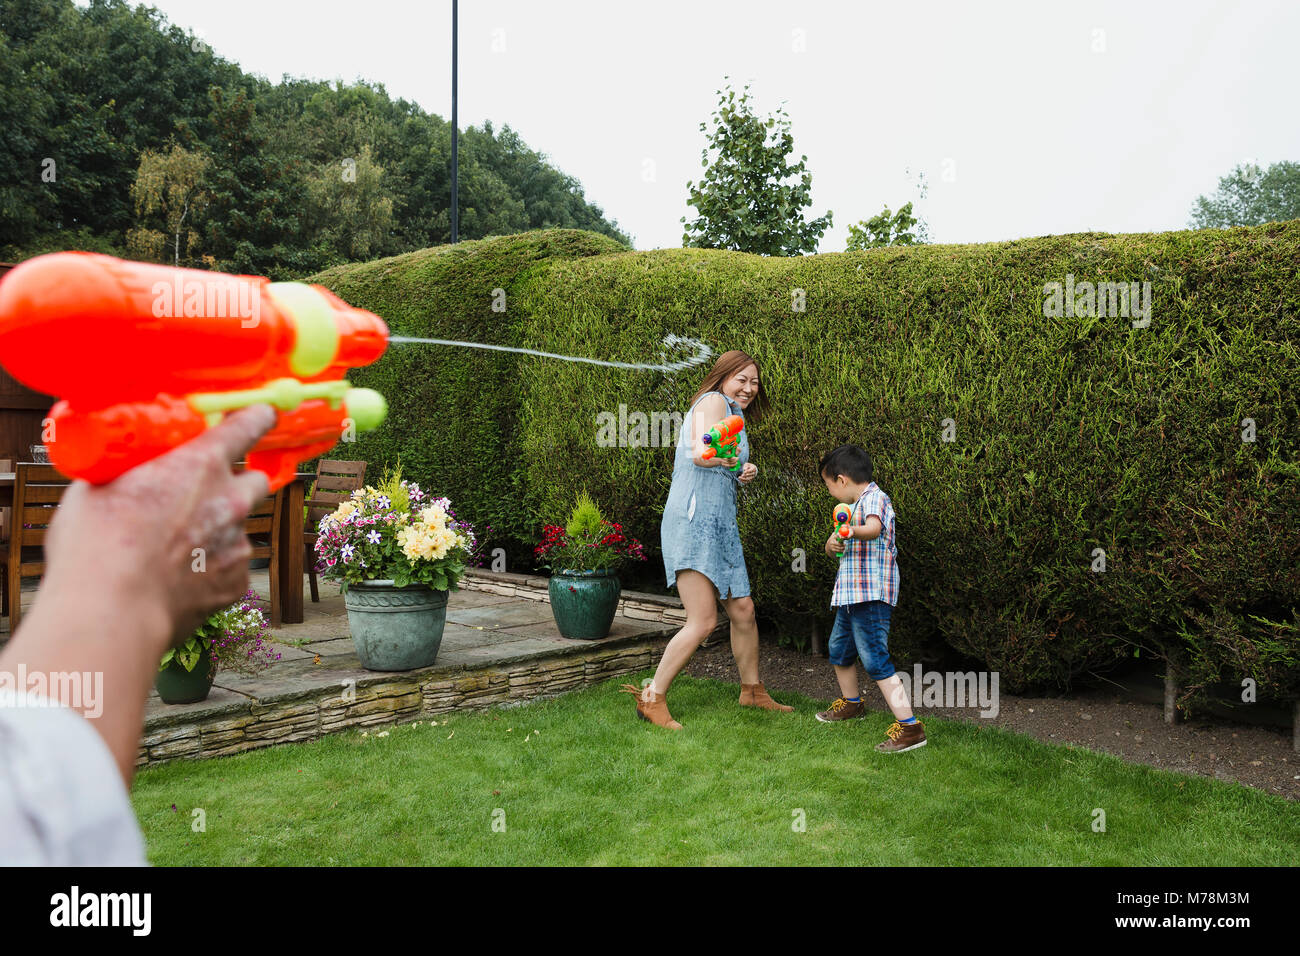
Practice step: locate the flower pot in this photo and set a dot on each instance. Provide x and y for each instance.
(395, 629)
(584, 602)
(176, 685)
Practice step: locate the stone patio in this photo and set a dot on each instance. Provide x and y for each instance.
(500, 647)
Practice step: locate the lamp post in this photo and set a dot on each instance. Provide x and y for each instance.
(455, 132)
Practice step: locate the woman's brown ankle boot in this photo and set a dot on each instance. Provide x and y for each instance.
(654, 710)
(753, 695)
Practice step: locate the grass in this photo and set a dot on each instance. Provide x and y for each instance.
(577, 780)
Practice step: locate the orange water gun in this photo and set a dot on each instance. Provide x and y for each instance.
(723, 440)
(842, 516)
(145, 357)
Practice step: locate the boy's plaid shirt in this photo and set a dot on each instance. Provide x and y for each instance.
(869, 569)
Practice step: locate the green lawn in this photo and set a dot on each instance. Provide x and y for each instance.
(580, 781)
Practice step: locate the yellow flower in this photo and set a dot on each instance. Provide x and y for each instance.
(429, 541)
(419, 541)
(415, 543)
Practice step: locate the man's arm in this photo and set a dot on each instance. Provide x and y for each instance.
(122, 581)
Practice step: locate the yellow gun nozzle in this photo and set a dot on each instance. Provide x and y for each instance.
(366, 407)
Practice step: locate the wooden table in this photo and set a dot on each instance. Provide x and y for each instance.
(291, 548)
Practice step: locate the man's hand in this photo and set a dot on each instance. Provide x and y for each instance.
(169, 532)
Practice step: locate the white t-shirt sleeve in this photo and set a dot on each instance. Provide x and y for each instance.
(62, 800)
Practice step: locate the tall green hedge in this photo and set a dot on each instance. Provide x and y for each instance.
(1075, 439)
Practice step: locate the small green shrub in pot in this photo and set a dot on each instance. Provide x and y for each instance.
(583, 557)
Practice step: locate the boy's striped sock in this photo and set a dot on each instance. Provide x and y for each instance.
(854, 700)
(910, 720)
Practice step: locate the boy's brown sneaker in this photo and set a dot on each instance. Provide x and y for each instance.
(903, 737)
(841, 710)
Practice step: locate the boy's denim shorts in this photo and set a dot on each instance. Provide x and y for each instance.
(862, 630)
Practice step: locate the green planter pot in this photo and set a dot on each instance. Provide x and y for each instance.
(395, 629)
(584, 602)
(176, 685)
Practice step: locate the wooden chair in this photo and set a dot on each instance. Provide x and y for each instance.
(263, 529)
(6, 465)
(37, 490)
(335, 481)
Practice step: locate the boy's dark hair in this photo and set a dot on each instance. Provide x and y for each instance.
(851, 460)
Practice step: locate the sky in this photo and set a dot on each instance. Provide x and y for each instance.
(1026, 119)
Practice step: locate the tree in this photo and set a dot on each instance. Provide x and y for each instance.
(349, 210)
(87, 88)
(252, 225)
(1249, 196)
(892, 229)
(83, 90)
(170, 186)
(547, 197)
(60, 167)
(884, 230)
(745, 201)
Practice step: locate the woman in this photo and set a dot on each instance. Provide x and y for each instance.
(701, 543)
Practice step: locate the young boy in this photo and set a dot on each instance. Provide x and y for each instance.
(866, 591)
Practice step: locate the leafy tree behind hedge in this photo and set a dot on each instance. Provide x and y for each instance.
(171, 188)
(746, 200)
(1250, 196)
(884, 229)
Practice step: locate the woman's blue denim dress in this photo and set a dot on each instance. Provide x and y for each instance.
(699, 526)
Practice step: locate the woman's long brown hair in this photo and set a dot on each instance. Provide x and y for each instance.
(727, 365)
